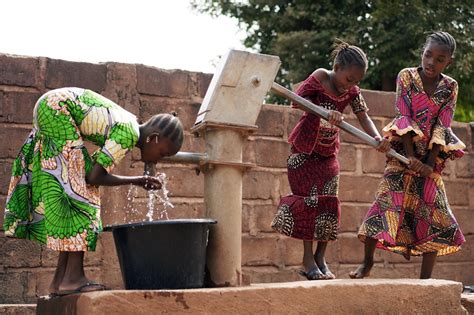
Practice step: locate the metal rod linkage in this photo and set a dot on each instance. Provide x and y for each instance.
(323, 113)
(186, 157)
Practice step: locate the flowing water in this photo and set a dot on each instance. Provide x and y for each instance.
(162, 197)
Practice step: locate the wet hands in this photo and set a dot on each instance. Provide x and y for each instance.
(335, 117)
(149, 182)
(384, 144)
(417, 166)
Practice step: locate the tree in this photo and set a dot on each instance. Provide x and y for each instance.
(392, 33)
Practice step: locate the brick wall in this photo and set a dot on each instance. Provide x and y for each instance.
(26, 268)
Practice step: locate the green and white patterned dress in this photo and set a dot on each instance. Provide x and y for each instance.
(48, 198)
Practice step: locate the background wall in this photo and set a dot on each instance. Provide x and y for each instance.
(26, 268)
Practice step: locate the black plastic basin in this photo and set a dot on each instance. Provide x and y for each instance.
(168, 254)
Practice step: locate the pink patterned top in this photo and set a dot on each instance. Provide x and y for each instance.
(312, 134)
(429, 118)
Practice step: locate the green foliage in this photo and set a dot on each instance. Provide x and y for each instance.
(392, 34)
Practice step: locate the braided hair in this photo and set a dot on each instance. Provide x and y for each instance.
(168, 126)
(443, 38)
(347, 55)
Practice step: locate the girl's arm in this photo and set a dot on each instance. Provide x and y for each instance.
(98, 176)
(415, 164)
(369, 127)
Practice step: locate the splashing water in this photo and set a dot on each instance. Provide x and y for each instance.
(130, 201)
(160, 195)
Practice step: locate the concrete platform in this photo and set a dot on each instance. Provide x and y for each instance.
(467, 301)
(368, 296)
(18, 309)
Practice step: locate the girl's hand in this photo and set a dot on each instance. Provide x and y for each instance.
(149, 182)
(335, 117)
(415, 164)
(384, 144)
(426, 170)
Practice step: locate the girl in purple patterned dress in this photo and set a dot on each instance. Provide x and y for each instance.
(312, 211)
(411, 215)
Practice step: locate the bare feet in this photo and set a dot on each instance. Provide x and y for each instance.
(311, 270)
(325, 270)
(362, 271)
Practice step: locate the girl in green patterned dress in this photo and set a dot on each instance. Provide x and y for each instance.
(53, 197)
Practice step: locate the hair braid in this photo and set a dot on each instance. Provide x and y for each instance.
(443, 38)
(346, 55)
(168, 126)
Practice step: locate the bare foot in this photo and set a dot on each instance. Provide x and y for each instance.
(325, 270)
(362, 271)
(311, 270)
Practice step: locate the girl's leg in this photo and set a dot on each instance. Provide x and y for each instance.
(364, 269)
(427, 265)
(59, 273)
(321, 262)
(74, 275)
(312, 271)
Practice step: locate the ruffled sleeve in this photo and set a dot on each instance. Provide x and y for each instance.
(442, 133)
(403, 122)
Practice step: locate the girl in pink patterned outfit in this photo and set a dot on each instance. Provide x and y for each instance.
(411, 214)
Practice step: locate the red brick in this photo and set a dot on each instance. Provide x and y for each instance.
(18, 107)
(348, 157)
(17, 253)
(461, 130)
(258, 185)
(3, 200)
(270, 121)
(284, 186)
(60, 73)
(465, 166)
(16, 137)
(260, 217)
(13, 287)
(246, 209)
(392, 258)
(271, 153)
(154, 81)
(380, 103)
(186, 110)
(358, 188)
(265, 274)
(203, 81)
(455, 271)
(38, 283)
(373, 161)
(457, 192)
(351, 249)
(352, 217)
(258, 251)
(249, 151)
(464, 217)
(346, 137)
(110, 271)
(294, 116)
(291, 251)
(16, 70)
(380, 271)
(120, 88)
(5, 175)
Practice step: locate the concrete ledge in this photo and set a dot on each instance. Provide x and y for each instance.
(18, 309)
(467, 301)
(368, 296)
